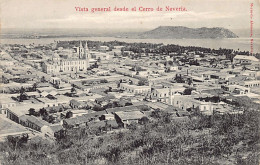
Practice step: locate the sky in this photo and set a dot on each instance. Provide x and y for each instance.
(231, 14)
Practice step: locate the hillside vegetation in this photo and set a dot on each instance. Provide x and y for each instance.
(219, 139)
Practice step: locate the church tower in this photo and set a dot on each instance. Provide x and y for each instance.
(86, 51)
(81, 50)
(86, 54)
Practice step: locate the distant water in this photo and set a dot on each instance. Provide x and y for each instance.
(243, 44)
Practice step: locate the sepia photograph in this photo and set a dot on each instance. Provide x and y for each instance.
(130, 82)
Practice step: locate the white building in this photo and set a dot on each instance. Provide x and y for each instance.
(103, 48)
(135, 89)
(100, 56)
(188, 102)
(165, 94)
(238, 89)
(251, 84)
(238, 59)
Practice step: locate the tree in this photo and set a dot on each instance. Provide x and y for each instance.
(189, 81)
(117, 104)
(99, 59)
(179, 79)
(22, 95)
(109, 105)
(43, 112)
(69, 115)
(97, 108)
(141, 82)
(51, 119)
(144, 120)
(156, 114)
(34, 87)
(128, 104)
(61, 109)
(43, 80)
(95, 65)
(187, 91)
(132, 126)
(73, 90)
(103, 81)
(145, 108)
(244, 68)
(31, 111)
(16, 142)
(5, 80)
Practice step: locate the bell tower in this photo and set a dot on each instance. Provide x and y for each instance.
(86, 51)
(81, 50)
(86, 54)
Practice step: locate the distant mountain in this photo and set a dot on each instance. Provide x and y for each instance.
(170, 32)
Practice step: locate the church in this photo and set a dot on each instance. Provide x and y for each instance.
(78, 62)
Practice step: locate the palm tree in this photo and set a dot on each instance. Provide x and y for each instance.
(189, 81)
(22, 95)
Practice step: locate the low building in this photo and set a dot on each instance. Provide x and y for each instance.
(164, 94)
(36, 123)
(127, 108)
(250, 73)
(104, 125)
(14, 113)
(53, 131)
(125, 118)
(76, 104)
(107, 117)
(238, 59)
(251, 84)
(135, 89)
(188, 103)
(156, 105)
(78, 121)
(103, 48)
(100, 56)
(79, 112)
(237, 89)
(222, 76)
(45, 91)
(81, 121)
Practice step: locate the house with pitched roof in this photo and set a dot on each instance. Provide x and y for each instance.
(125, 118)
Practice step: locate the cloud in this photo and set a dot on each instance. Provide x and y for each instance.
(124, 19)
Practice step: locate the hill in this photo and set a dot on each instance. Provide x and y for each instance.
(179, 32)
